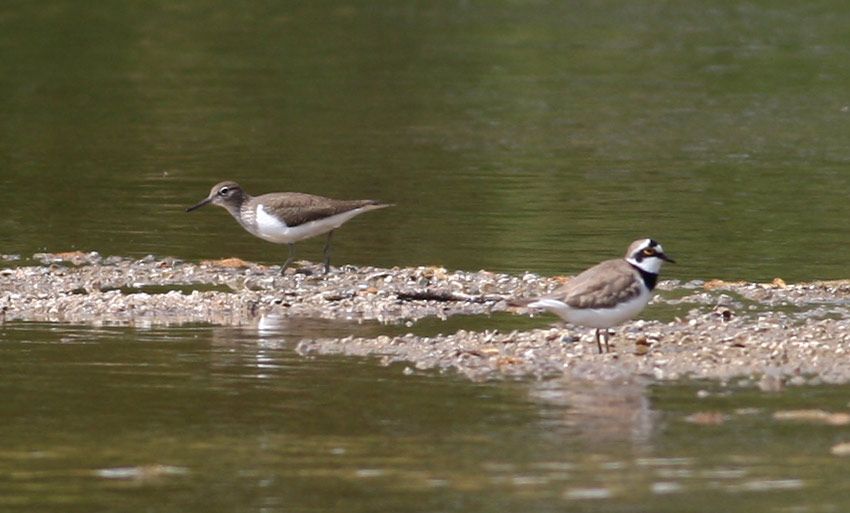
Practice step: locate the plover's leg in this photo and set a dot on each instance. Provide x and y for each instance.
(598, 340)
(327, 252)
(607, 336)
(290, 259)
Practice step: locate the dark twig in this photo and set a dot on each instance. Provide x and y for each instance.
(438, 295)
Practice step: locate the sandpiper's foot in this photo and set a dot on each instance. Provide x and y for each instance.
(305, 270)
(327, 252)
(289, 260)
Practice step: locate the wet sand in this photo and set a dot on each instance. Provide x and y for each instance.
(769, 335)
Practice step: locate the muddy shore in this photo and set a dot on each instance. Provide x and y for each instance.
(770, 335)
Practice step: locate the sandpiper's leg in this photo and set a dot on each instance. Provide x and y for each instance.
(327, 252)
(290, 259)
(607, 336)
(598, 340)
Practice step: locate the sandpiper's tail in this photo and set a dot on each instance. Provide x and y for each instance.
(376, 204)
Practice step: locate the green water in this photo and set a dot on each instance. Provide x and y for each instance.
(512, 136)
(199, 419)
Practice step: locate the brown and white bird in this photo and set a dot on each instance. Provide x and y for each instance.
(608, 293)
(287, 217)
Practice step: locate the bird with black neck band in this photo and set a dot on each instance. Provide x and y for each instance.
(608, 293)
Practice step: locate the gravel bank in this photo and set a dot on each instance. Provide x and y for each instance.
(768, 335)
(771, 335)
(87, 288)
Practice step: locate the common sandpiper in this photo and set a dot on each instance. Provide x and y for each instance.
(287, 217)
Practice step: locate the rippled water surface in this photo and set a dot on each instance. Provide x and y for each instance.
(220, 419)
(512, 136)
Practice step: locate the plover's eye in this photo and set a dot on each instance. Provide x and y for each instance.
(223, 191)
(649, 252)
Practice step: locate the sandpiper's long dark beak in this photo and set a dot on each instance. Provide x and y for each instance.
(199, 205)
(662, 256)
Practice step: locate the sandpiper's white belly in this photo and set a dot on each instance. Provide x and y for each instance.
(595, 317)
(273, 229)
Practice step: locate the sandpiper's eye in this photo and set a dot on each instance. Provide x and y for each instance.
(223, 191)
(649, 252)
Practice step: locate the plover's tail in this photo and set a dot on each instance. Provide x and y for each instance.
(548, 304)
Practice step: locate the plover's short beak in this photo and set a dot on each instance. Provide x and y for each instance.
(666, 258)
(199, 205)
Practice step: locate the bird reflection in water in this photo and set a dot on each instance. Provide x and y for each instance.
(600, 412)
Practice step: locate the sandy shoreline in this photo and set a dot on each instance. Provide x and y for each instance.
(765, 334)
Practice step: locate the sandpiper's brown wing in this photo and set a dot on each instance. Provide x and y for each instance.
(297, 208)
(602, 286)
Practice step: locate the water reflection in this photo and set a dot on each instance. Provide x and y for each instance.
(270, 327)
(600, 413)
